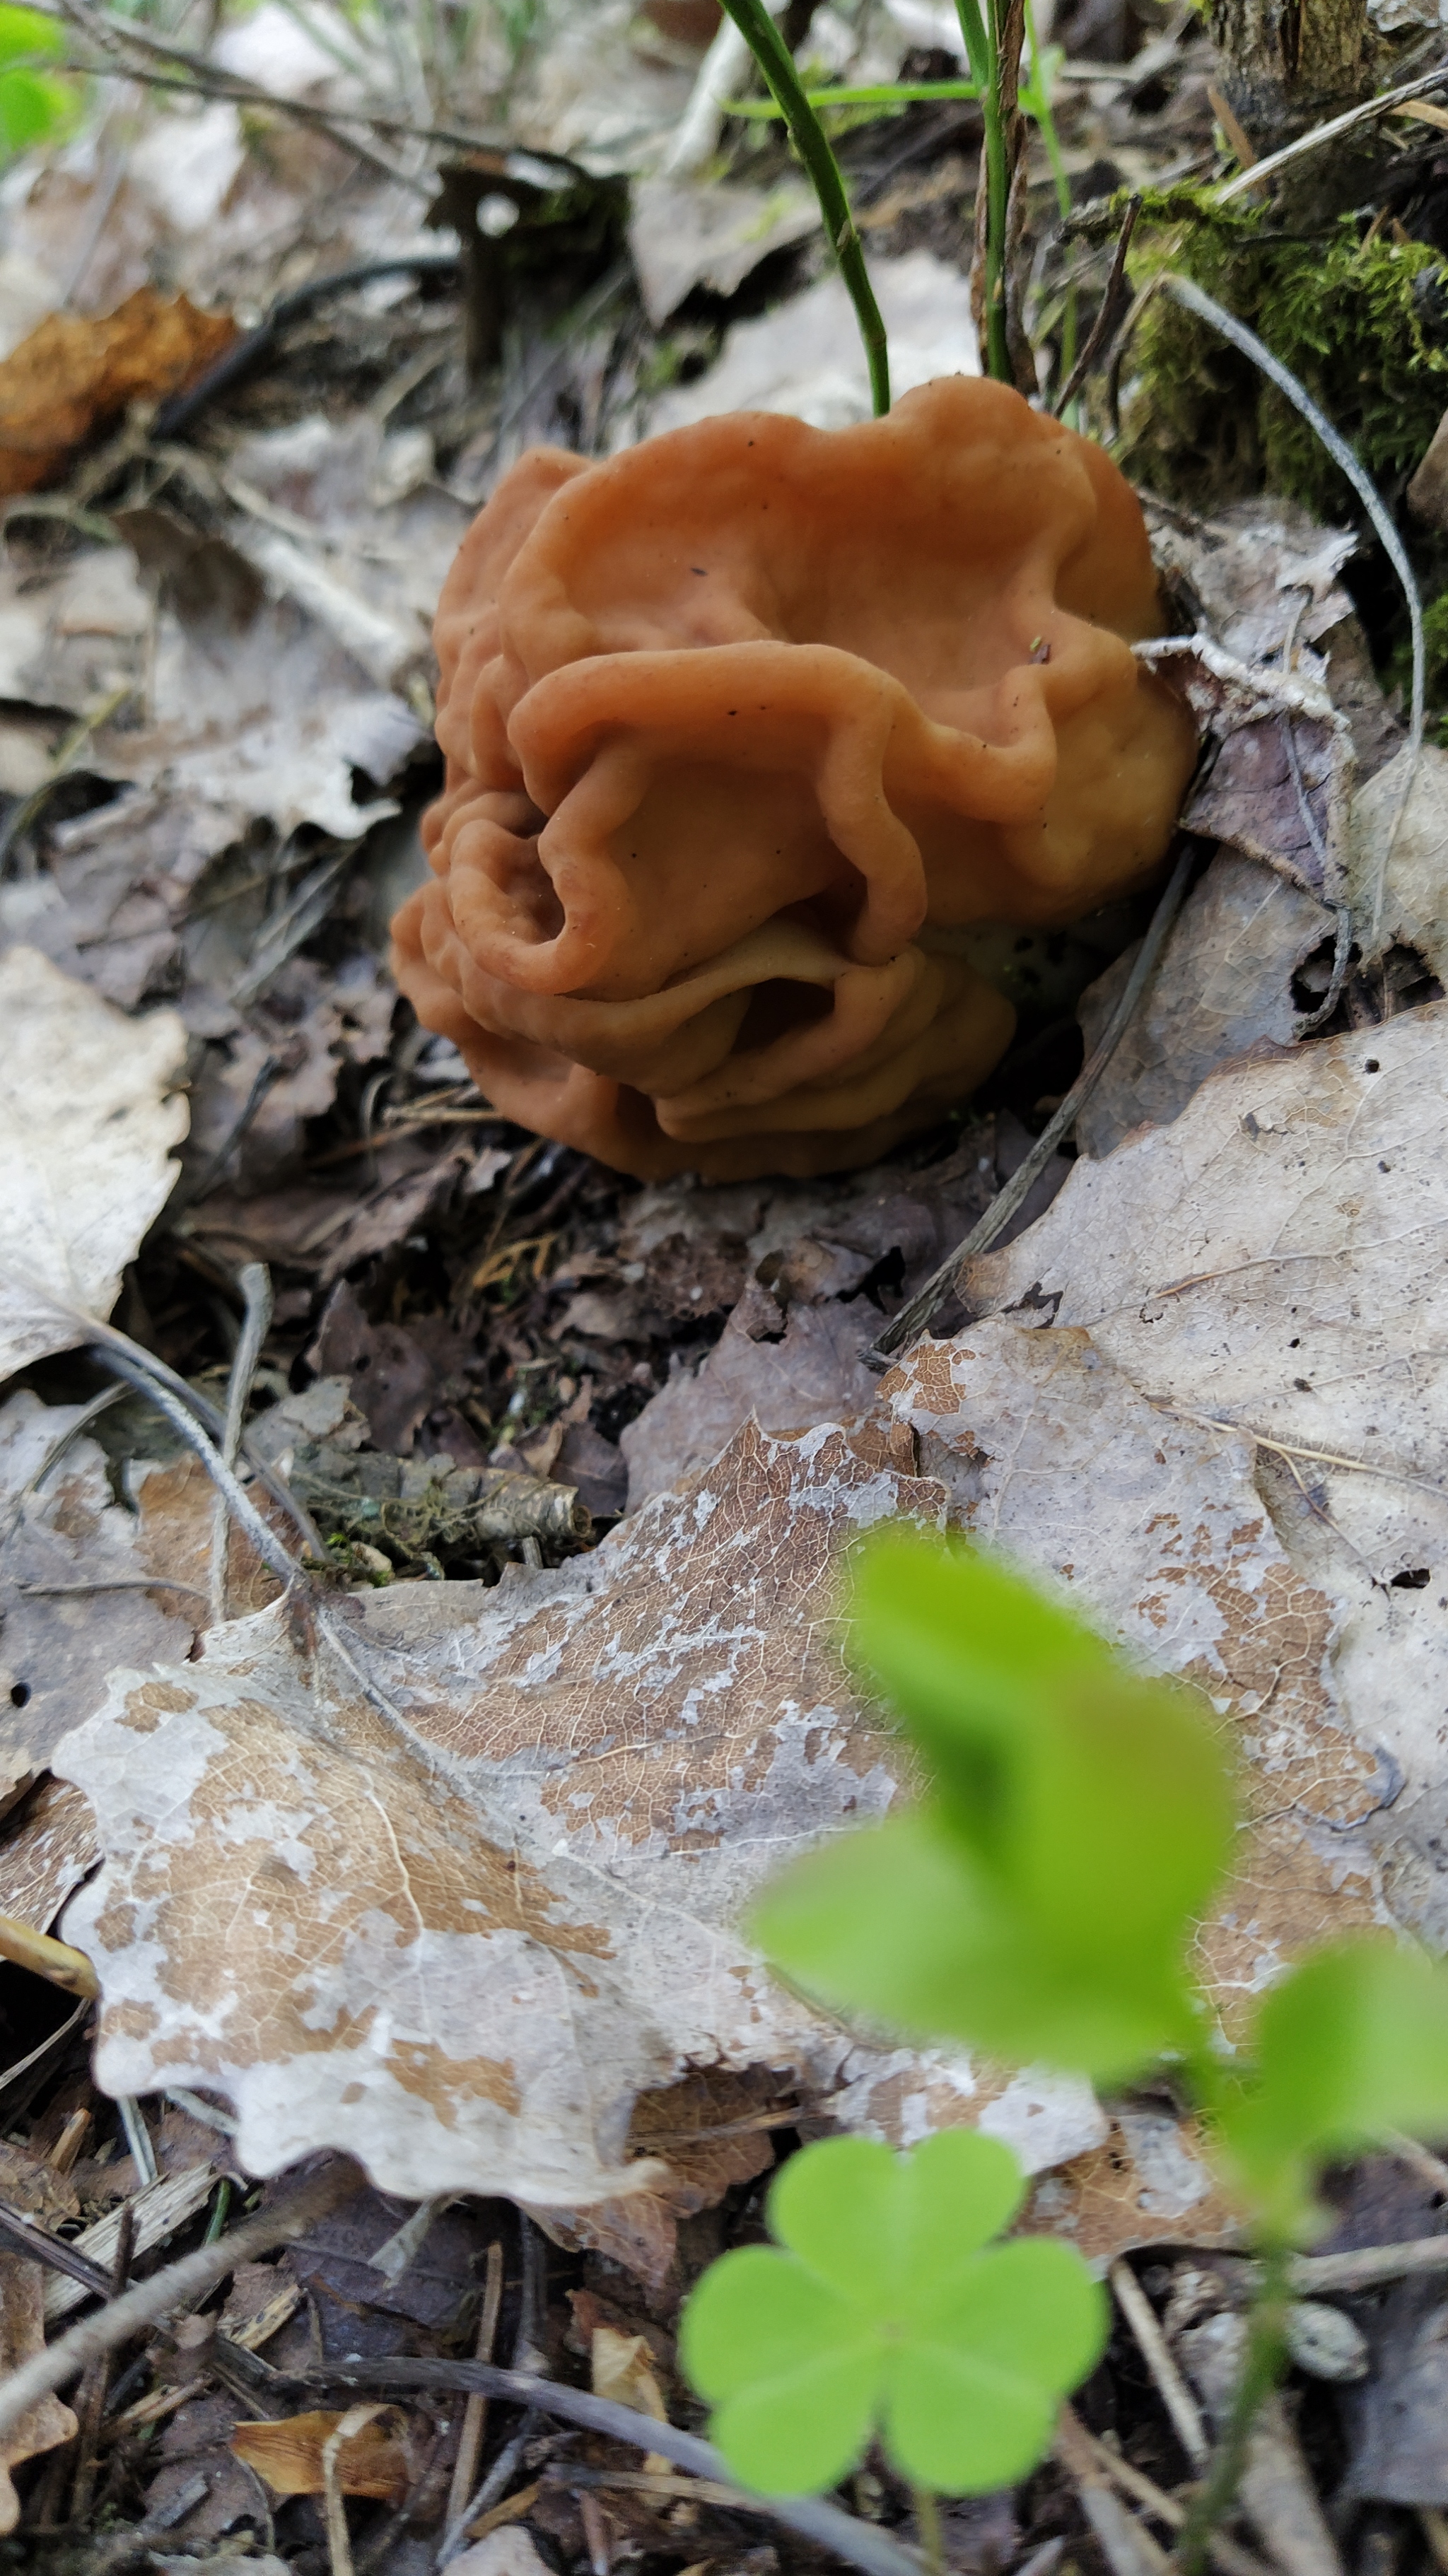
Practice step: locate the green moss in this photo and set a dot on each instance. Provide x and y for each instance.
(1345, 312)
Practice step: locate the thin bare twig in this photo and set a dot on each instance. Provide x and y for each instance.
(499, 2478)
(912, 1319)
(110, 1583)
(1128, 2549)
(1172, 2389)
(1328, 133)
(1106, 316)
(151, 2300)
(96, 2383)
(256, 1288)
(260, 1532)
(142, 1370)
(475, 2411)
(22, 2235)
(1227, 2555)
(1429, 2168)
(1368, 2265)
(860, 2544)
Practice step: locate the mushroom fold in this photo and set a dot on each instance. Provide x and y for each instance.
(745, 729)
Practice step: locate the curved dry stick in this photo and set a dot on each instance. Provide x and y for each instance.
(189, 2279)
(1227, 189)
(860, 2544)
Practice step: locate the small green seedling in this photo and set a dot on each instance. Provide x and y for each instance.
(1351, 2047)
(889, 2311)
(34, 104)
(1039, 1902)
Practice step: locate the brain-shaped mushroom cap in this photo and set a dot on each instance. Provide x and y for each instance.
(740, 728)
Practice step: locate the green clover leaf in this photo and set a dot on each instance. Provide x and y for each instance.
(1041, 1900)
(33, 104)
(1350, 2045)
(889, 2311)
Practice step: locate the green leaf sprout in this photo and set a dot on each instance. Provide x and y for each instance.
(888, 2311)
(1352, 2045)
(34, 104)
(1040, 1901)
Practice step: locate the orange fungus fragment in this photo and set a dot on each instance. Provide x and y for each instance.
(743, 728)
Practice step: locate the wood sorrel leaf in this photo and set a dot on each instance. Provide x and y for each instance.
(1350, 2045)
(891, 1922)
(1079, 1814)
(888, 2311)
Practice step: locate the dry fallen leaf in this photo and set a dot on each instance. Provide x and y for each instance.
(471, 1920)
(1259, 574)
(1270, 1267)
(1414, 898)
(708, 2132)
(1279, 786)
(45, 1852)
(621, 2366)
(22, 2336)
(77, 371)
(377, 2460)
(1223, 989)
(1054, 1454)
(804, 357)
(465, 1939)
(267, 716)
(812, 1372)
(70, 1606)
(89, 1113)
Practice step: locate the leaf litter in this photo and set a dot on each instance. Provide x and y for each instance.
(480, 1896)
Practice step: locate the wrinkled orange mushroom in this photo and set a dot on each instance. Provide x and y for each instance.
(741, 727)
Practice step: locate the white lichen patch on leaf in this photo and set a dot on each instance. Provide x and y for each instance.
(461, 1950)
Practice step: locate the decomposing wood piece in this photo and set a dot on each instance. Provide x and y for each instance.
(745, 729)
(420, 1503)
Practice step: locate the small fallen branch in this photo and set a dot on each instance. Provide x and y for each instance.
(179, 2283)
(860, 2544)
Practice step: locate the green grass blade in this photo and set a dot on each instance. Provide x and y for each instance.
(781, 78)
(881, 94)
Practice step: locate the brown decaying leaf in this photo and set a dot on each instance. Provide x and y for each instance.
(464, 1938)
(47, 1849)
(76, 371)
(22, 2335)
(559, 1831)
(376, 2460)
(1223, 990)
(1273, 1260)
(59, 1646)
(89, 1112)
(710, 2131)
(174, 1534)
(621, 2367)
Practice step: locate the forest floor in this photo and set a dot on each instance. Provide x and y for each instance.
(215, 747)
